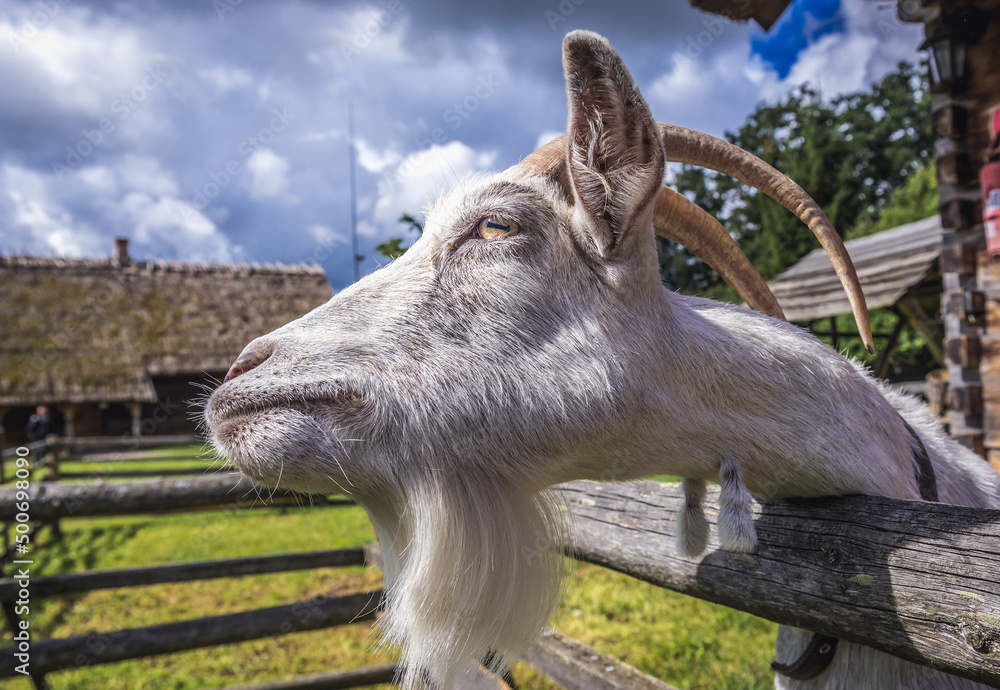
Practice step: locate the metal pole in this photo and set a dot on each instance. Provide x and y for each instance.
(354, 192)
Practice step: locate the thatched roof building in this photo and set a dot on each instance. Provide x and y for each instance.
(95, 332)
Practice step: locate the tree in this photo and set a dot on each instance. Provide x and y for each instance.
(849, 153)
(915, 200)
(393, 247)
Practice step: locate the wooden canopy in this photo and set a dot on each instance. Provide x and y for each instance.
(898, 269)
(890, 264)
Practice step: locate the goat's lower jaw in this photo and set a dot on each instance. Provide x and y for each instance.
(470, 570)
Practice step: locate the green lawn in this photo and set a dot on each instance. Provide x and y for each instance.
(688, 643)
(196, 458)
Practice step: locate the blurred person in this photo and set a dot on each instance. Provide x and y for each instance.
(40, 424)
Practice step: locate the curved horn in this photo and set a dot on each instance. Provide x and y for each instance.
(688, 146)
(677, 218)
(696, 148)
(546, 159)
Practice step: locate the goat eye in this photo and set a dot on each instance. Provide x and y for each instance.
(493, 228)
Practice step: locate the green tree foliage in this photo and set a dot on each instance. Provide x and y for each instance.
(915, 200)
(849, 152)
(393, 247)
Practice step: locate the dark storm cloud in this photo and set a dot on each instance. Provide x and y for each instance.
(240, 152)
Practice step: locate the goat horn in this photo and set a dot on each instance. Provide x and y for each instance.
(545, 159)
(680, 220)
(684, 145)
(696, 148)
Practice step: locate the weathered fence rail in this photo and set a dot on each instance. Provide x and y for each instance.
(53, 501)
(916, 580)
(77, 583)
(50, 454)
(575, 666)
(119, 645)
(355, 678)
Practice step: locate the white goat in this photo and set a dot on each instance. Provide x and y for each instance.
(526, 340)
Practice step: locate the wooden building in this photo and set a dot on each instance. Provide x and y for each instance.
(898, 270)
(121, 347)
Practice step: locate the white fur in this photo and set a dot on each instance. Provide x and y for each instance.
(446, 391)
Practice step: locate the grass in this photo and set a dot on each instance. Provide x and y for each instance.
(192, 457)
(689, 643)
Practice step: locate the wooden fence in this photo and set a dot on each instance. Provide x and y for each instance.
(916, 580)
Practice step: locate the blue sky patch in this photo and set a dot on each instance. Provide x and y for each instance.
(805, 22)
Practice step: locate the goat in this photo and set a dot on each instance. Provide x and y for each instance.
(526, 340)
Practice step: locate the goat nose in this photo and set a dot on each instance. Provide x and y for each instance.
(252, 357)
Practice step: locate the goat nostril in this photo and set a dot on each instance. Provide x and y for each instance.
(248, 359)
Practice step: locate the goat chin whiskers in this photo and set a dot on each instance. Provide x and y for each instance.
(525, 339)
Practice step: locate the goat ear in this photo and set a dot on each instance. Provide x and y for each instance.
(614, 153)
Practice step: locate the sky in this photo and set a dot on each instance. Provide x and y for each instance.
(217, 130)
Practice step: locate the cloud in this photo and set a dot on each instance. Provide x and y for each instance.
(802, 24)
(439, 90)
(134, 199)
(714, 90)
(375, 161)
(226, 79)
(423, 175)
(147, 174)
(268, 174)
(873, 43)
(168, 222)
(36, 223)
(546, 136)
(76, 63)
(327, 237)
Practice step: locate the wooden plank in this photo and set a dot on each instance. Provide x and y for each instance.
(572, 665)
(141, 456)
(889, 266)
(857, 568)
(60, 585)
(918, 235)
(168, 638)
(53, 501)
(482, 679)
(364, 677)
(139, 474)
(354, 678)
(129, 443)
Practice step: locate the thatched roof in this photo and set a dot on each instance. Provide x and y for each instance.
(764, 12)
(889, 264)
(97, 330)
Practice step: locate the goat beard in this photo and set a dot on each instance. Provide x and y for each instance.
(472, 574)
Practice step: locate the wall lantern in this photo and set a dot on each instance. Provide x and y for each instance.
(949, 44)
